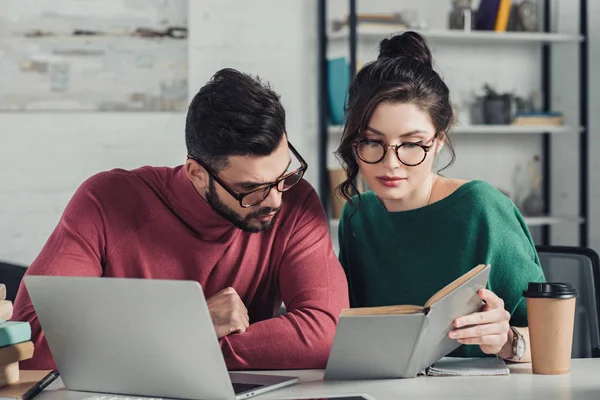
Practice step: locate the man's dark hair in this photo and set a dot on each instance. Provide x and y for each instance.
(233, 114)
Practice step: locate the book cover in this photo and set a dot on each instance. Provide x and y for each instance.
(6, 310)
(504, 10)
(13, 332)
(402, 341)
(485, 18)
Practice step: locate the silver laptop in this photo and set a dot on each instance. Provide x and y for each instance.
(140, 337)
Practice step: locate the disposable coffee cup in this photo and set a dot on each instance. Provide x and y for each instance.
(551, 315)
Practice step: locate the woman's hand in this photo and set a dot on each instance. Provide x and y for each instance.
(488, 328)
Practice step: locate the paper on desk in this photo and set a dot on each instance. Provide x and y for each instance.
(456, 366)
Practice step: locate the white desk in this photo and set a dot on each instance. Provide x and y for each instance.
(583, 383)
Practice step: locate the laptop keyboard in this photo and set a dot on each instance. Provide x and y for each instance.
(244, 387)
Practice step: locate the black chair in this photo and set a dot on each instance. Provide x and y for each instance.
(581, 268)
(11, 276)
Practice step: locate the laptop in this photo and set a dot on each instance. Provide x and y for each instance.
(142, 337)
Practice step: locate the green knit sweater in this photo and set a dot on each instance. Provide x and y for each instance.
(393, 258)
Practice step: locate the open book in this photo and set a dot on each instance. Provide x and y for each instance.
(402, 341)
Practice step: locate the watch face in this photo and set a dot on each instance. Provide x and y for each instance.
(520, 348)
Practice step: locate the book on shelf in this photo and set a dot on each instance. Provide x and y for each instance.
(540, 118)
(391, 21)
(503, 15)
(401, 341)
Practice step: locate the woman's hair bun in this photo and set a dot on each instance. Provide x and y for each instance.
(409, 44)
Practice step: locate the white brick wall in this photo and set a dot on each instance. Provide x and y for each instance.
(45, 156)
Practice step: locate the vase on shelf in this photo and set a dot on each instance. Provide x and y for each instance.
(461, 16)
(533, 204)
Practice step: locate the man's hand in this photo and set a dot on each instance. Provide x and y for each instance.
(228, 312)
(488, 328)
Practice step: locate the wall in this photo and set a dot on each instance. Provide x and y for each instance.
(45, 156)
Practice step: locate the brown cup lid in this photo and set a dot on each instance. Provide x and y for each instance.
(550, 290)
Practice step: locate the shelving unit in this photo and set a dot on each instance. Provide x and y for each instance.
(546, 40)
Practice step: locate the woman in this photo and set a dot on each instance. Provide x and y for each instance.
(417, 231)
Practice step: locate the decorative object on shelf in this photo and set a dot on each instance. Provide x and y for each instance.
(476, 112)
(527, 16)
(461, 15)
(533, 204)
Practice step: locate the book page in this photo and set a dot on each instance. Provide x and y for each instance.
(455, 284)
(386, 310)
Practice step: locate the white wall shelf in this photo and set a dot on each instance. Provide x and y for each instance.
(464, 37)
(496, 129)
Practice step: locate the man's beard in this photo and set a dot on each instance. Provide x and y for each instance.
(244, 223)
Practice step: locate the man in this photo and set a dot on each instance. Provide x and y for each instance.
(237, 218)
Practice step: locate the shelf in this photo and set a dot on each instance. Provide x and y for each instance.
(547, 221)
(461, 36)
(530, 221)
(515, 129)
(495, 129)
(335, 129)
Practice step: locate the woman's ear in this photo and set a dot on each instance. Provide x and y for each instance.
(440, 142)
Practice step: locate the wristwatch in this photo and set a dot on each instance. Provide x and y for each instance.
(518, 346)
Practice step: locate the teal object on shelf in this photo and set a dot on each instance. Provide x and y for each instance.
(338, 72)
(13, 332)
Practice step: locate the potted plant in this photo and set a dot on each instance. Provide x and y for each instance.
(497, 108)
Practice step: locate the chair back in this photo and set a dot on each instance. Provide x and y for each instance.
(581, 268)
(11, 276)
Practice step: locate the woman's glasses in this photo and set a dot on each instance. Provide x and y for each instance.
(408, 153)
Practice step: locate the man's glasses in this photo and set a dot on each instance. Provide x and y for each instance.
(256, 196)
(408, 153)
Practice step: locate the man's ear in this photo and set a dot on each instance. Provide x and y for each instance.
(197, 175)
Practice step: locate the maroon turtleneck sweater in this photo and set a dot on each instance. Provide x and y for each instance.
(152, 223)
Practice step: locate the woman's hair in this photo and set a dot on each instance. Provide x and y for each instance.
(403, 73)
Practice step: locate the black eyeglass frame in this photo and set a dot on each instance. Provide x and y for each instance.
(240, 196)
(396, 147)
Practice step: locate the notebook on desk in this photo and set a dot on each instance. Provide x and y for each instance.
(143, 337)
(456, 366)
